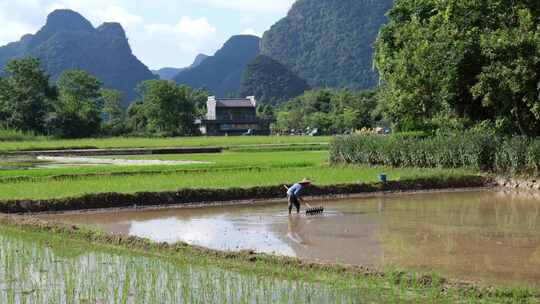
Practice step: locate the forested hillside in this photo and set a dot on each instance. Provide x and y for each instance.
(271, 82)
(329, 42)
(221, 74)
(68, 41)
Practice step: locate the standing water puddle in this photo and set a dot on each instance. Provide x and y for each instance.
(489, 236)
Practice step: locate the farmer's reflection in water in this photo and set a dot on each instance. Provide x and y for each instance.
(296, 229)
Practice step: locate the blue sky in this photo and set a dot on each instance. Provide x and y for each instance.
(161, 32)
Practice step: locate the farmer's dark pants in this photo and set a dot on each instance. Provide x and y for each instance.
(293, 200)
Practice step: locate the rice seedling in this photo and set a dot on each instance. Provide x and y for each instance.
(137, 142)
(39, 267)
(323, 175)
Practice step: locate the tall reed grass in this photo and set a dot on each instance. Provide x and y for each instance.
(472, 150)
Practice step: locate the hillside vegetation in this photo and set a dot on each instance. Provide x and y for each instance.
(329, 43)
(221, 74)
(271, 82)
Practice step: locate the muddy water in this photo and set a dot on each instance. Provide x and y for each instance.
(44, 162)
(489, 236)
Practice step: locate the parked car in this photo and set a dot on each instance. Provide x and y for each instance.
(314, 132)
(250, 132)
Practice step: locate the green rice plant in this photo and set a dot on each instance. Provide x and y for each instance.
(173, 181)
(241, 161)
(141, 142)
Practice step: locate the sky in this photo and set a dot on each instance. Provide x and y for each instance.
(162, 33)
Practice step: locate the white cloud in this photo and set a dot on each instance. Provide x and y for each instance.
(18, 18)
(249, 5)
(99, 11)
(188, 37)
(250, 31)
(195, 27)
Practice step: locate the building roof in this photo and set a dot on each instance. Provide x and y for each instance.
(234, 103)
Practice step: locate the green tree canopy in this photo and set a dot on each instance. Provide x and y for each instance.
(113, 113)
(165, 108)
(328, 111)
(77, 112)
(468, 61)
(25, 96)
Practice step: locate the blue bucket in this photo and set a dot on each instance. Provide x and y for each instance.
(382, 178)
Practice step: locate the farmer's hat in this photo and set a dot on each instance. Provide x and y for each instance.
(305, 181)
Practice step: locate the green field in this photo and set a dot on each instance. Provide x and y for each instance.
(225, 160)
(136, 142)
(44, 189)
(228, 169)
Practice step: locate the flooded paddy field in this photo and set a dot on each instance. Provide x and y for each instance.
(489, 236)
(50, 162)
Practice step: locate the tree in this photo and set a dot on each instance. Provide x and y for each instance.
(77, 112)
(25, 96)
(466, 61)
(165, 108)
(328, 111)
(113, 113)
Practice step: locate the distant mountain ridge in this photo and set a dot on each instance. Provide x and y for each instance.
(271, 82)
(69, 41)
(329, 42)
(221, 74)
(169, 73)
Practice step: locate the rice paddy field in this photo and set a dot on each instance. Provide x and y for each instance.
(38, 266)
(229, 169)
(137, 142)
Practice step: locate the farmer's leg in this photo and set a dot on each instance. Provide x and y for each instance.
(291, 202)
(297, 205)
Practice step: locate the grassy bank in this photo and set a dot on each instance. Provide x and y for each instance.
(135, 142)
(209, 276)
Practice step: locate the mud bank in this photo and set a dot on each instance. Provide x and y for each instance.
(212, 196)
(517, 183)
(252, 259)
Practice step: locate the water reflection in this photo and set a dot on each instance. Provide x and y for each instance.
(480, 235)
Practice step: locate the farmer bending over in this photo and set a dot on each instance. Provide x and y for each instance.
(294, 194)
